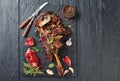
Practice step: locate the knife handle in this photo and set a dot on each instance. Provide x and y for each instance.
(27, 30)
(25, 23)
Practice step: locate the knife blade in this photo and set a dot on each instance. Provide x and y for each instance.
(33, 15)
(37, 10)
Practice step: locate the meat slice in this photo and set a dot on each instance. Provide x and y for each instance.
(32, 58)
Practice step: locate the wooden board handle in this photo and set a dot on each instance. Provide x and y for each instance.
(26, 30)
(25, 23)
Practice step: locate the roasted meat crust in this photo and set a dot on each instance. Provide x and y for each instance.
(51, 30)
(52, 27)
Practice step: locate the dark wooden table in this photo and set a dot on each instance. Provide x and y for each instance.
(98, 39)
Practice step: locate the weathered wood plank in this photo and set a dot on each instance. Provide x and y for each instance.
(9, 40)
(111, 40)
(90, 40)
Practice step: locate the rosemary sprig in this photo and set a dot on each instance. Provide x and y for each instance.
(29, 70)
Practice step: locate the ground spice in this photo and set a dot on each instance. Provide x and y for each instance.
(68, 11)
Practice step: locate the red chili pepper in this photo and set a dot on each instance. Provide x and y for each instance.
(30, 41)
(32, 58)
(67, 60)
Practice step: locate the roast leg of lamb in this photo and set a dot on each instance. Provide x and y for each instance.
(51, 30)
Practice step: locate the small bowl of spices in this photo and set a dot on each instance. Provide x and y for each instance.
(68, 11)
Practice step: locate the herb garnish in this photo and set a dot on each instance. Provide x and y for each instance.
(29, 70)
(35, 49)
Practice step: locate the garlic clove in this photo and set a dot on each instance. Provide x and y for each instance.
(65, 72)
(50, 72)
(69, 42)
(70, 39)
(71, 69)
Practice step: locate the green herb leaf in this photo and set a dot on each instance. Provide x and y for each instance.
(51, 65)
(51, 39)
(29, 70)
(35, 49)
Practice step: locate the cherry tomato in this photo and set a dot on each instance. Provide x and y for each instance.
(67, 60)
(29, 41)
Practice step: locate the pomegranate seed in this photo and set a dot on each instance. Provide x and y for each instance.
(42, 67)
(44, 56)
(39, 40)
(44, 52)
(44, 61)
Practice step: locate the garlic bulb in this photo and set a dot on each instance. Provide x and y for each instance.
(71, 69)
(50, 72)
(69, 42)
